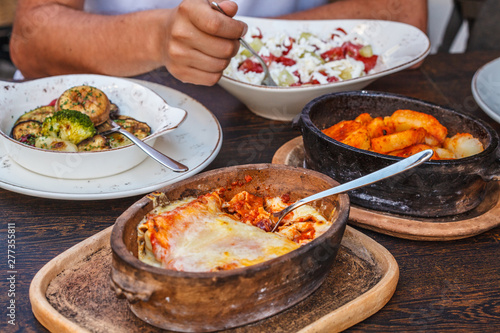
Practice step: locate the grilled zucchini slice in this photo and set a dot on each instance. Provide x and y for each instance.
(38, 114)
(96, 143)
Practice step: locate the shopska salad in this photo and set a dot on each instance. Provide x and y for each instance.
(306, 59)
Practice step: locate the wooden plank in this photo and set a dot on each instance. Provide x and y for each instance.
(71, 293)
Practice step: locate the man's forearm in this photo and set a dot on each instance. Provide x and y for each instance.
(412, 12)
(52, 39)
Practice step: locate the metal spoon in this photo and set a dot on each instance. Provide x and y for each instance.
(391, 170)
(155, 154)
(268, 80)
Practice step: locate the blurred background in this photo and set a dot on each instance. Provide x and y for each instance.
(450, 25)
(7, 10)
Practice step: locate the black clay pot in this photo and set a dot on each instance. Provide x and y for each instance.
(435, 188)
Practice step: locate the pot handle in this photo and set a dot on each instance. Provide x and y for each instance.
(297, 122)
(493, 172)
(126, 287)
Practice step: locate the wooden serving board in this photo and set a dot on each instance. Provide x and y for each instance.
(71, 293)
(483, 218)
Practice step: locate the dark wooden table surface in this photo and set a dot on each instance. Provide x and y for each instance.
(443, 286)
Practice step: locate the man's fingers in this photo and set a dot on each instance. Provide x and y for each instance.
(188, 74)
(214, 23)
(229, 7)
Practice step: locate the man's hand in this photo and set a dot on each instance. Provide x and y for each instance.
(200, 41)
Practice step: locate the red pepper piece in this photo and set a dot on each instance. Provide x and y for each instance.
(286, 61)
(369, 62)
(250, 66)
(351, 50)
(336, 53)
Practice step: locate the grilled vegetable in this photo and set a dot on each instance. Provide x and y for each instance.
(88, 100)
(95, 143)
(113, 110)
(26, 128)
(117, 140)
(69, 125)
(53, 143)
(137, 128)
(38, 114)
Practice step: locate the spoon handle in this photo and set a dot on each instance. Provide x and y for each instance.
(268, 80)
(389, 171)
(155, 154)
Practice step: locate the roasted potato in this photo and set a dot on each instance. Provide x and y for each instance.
(411, 150)
(341, 130)
(399, 140)
(378, 127)
(439, 153)
(359, 139)
(443, 154)
(403, 134)
(364, 118)
(463, 145)
(406, 119)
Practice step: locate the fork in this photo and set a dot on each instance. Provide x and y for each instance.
(153, 153)
(268, 80)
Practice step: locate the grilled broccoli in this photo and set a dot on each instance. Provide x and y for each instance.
(69, 125)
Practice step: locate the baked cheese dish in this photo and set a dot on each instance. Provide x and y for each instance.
(208, 233)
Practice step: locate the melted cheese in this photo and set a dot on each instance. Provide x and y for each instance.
(208, 234)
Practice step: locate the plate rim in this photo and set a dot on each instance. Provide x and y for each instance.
(495, 115)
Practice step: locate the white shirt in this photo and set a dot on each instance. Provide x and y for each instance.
(257, 8)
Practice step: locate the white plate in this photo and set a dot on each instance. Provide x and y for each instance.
(398, 46)
(486, 88)
(195, 143)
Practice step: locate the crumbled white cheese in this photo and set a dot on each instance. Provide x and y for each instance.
(306, 52)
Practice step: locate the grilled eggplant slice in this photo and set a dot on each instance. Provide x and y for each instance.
(104, 127)
(137, 128)
(113, 110)
(140, 129)
(38, 114)
(25, 128)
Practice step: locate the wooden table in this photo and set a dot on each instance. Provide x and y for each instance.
(443, 286)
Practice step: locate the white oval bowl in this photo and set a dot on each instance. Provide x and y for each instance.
(398, 46)
(132, 99)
